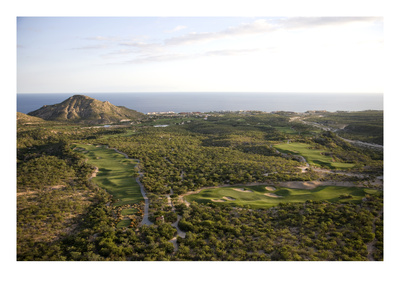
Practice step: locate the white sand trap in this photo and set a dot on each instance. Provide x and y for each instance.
(270, 188)
(272, 195)
(218, 200)
(228, 198)
(309, 185)
(243, 190)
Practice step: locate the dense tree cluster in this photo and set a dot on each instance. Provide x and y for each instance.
(310, 231)
(178, 160)
(62, 215)
(342, 151)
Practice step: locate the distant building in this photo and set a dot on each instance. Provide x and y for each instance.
(315, 111)
(162, 113)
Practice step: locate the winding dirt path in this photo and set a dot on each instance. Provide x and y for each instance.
(145, 220)
(180, 232)
(94, 174)
(289, 184)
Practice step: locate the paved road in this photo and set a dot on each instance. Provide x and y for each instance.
(355, 142)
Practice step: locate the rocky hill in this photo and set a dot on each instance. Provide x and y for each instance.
(84, 109)
(25, 119)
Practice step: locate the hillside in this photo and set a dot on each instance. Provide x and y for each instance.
(84, 109)
(25, 119)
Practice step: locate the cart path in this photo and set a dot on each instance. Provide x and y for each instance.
(145, 220)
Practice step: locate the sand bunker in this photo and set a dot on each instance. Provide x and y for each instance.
(272, 195)
(309, 185)
(218, 200)
(243, 190)
(270, 188)
(228, 198)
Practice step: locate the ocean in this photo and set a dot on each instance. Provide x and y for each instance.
(206, 102)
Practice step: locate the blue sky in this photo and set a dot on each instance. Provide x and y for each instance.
(199, 54)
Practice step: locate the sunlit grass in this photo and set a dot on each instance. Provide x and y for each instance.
(312, 156)
(260, 197)
(116, 173)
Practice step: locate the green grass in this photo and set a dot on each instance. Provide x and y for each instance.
(313, 156)
(129, 211)
(123, 223)
(255, 196)
(116, 174)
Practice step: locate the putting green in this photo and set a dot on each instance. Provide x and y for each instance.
(265, 196)
(312, 156)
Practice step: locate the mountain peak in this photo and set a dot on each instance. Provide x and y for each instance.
(85, 109)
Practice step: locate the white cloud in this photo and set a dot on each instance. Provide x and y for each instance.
(262, 26)
(230, 52)
(316, 22)
(134, 44)
(277, 43)
(102, 38)
(92, 47)
(257, 27)
(159, 58)
(166, 57)
(177, 28)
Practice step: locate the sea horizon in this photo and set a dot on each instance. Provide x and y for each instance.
(147, 102)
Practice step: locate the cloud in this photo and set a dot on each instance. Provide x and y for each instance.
(92, 47)
(262, 26)
(107, 42)
(167, 57)
(314, 22)
(230, 52)
(97, 38)
(177, 28)
(141, 45)
(103, 38)
(170, 49)
(159, 58)
(257, 27)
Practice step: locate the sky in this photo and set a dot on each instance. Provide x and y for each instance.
(199, 54)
